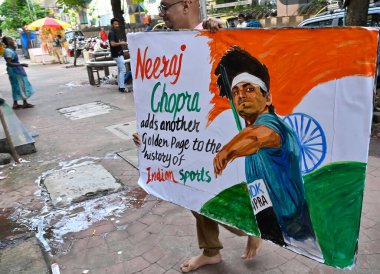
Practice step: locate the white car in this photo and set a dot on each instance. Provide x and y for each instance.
(336, 18)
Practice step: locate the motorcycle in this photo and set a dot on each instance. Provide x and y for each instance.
(80, 46)
(95, 44)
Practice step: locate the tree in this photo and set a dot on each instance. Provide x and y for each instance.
(357, 11)
(17, 13)
(74, 4)
(118, 13)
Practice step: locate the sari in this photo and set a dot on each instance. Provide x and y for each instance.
(21, 87)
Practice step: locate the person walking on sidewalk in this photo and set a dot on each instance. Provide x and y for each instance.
(186, 15)
(117, 53)
(21, 87)
(57, 48)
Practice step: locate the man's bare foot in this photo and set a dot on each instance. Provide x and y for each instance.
(195, 262)
(253, 246)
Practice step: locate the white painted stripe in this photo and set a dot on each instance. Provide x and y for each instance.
(85, 110)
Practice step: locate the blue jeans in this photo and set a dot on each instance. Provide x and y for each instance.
(120, 70)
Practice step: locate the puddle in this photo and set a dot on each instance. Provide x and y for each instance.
(137, 197)
(9, 228)
(52, 225)
(73, 85)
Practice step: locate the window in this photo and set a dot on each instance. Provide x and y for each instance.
(373, 20)
(322, 23)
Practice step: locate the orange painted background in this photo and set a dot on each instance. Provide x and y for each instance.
(297, 59)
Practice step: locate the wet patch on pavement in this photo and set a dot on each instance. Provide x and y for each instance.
(51, 224)
(10, 229)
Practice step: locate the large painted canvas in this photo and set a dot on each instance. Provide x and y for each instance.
(263, 130)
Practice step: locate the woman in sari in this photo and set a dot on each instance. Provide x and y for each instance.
(21, 87)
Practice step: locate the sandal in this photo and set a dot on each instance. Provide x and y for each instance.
(17, 106)
(27, 105)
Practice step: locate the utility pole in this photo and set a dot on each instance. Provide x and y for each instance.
(32, 15)
(203, 9)
(357, 12)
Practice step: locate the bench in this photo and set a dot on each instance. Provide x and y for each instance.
(94, 67)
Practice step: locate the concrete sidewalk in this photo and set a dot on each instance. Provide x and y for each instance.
(147, 235)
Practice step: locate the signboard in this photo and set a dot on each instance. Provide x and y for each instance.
(263, 130)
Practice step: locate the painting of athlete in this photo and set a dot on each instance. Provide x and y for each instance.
(271, 151)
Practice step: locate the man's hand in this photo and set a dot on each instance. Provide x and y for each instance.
(213, 24)
(136, 139)
(220, 162)
(24, 65)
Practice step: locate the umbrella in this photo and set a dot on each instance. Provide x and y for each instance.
(48, 23)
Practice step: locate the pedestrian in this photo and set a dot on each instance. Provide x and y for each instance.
(117, 52)
(57, 48)
(252, 23)
(21, 87)
(186, 15)
(241, 21)
(103, 35)
(148, 27)
(64, 45)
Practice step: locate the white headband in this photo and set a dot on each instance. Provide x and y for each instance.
(249, 78)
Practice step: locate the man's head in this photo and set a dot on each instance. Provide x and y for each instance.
(180, 14)
(249, 80)
(241, 18)
(248, 16)
(101, 29)
(115, 23)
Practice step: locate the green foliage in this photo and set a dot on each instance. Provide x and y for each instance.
(312, 7)
(224, 1)
(74, 4)
(16, 13)
(11, 32)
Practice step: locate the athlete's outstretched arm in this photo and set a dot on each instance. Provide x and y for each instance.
(247, 142)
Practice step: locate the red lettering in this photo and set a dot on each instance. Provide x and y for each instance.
(148, 67)
(140, 64)
(160, 175)
(156, 66)
(145, 67)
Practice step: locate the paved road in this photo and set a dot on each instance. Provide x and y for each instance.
(130, 232)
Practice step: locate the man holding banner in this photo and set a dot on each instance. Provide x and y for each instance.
(185, 14)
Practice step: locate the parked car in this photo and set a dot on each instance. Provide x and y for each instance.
(336, 18)
(231, 21)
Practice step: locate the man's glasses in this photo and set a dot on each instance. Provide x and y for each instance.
(164, 8)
